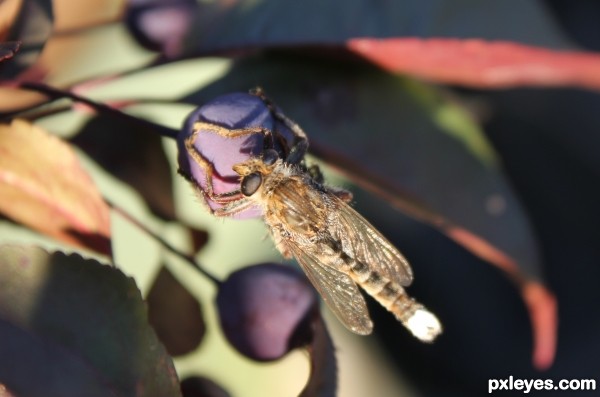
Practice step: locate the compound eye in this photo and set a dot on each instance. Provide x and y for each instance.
(270, 156)
(251, 183)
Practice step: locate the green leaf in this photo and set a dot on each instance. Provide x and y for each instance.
(71, 326)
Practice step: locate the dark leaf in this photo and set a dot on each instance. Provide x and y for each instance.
(198, 237)
(399, 136)
(323, 378)
(44, 187)
(199, 386)
(175, 314)
(133, 154)
(247, 24)
(419, 151)
(77, 328)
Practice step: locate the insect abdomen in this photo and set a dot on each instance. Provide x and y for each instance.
(387, 293)
(413, 315)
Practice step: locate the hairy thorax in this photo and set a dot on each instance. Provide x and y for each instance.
(295, 206)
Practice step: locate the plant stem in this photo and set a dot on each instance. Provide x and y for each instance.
(55, 93)
(186, 257)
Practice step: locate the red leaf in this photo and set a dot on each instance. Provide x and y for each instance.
(543, 312)
(43, 186)
(480, 63)
(540, 302)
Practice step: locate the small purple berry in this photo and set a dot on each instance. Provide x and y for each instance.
(161, 25)
(264, 310)
(214, 176)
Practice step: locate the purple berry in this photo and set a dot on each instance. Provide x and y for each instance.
(161, 25)
(265, 310)
(216, 179)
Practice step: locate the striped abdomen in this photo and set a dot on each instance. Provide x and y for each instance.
(413, 315)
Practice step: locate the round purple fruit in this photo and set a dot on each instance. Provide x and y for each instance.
(266, 310)
(227, 131)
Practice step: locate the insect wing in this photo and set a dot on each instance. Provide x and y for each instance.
(361, 241)
(337, 289)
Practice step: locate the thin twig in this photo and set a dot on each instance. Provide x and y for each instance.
(188, 258)
(55, 93)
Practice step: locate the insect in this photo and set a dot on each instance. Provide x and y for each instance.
(335, 246)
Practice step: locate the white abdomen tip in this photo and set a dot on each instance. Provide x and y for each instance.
(424, 325)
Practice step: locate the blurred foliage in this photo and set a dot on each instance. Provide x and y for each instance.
(455, 177)
(76, 327)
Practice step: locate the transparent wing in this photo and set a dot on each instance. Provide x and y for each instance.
(361, 241)
(338, 290)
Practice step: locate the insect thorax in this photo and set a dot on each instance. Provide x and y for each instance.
(293, 204)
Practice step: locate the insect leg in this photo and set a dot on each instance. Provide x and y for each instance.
(343, 194)
(233, 207)
(300, 146)
(280, 244)
(205, 164)
(202, 162)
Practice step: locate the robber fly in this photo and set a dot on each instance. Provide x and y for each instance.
(335, 246)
